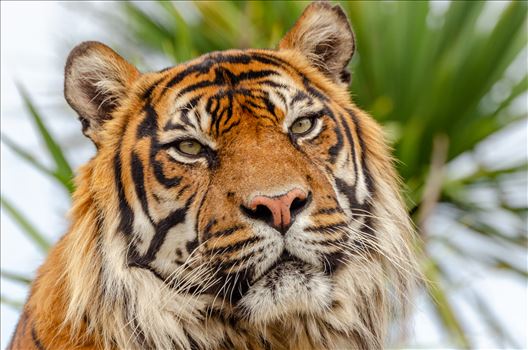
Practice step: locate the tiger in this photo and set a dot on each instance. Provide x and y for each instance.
(239, 200)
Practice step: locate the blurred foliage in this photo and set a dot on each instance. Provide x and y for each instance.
(442, 78)
(62, 171)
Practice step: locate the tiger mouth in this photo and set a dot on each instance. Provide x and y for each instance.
(286, 260)
(290, 286)
(286, 263)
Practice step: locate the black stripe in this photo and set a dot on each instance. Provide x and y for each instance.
(281, 96)
(255, 111)
(248, 110)
(205, 65)
(332, 261)
(227, 111)
(328, 111)
(251, 92)
(350, 193)
(253, 104)
(149, 126)
(326, 228)
(313, 90)
(225, 131)
(226, 232)
(333, 242)
(271, 60)
(266, 345)
(350, 140)
(184, 112)
(185, 109)
(207, 229)
(329, 211)
(333, 152)
(273, 84)
(200, 85)
(254, 74)
(134, 259)
(299, 97)
(233, 247)
(368, 226)
(228, 344)
(173, 126)
(270, 107)
(235, 285)
(199, 211)
(167, 182)
(208, 107)
(192, 342)
(228, 265)
(192, 245)
(36, 340)
(201, 68)
(359, 131)
(162, 228)
(147, 95)
(126, 215)
(139, 184)
(222, 77)
(180, 192)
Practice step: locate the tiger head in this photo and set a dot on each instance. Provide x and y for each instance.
(243, 185)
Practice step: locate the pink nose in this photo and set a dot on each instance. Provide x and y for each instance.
(280, 211)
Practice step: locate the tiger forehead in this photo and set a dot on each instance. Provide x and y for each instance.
(212, 94)
(225, 69)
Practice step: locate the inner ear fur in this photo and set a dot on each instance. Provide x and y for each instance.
(324, 36)
(95, 80)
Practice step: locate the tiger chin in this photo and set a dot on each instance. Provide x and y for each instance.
(236, 201)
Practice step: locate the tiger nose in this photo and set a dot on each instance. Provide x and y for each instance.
(280, 211)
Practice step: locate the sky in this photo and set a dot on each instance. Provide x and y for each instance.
(52, 29)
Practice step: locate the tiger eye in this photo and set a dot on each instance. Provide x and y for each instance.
(302, 126)
(190, 147)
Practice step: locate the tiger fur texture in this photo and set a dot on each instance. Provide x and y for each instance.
(236, 201)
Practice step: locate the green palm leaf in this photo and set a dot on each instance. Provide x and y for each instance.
(27, 227)
(15, 277)
(63, 171)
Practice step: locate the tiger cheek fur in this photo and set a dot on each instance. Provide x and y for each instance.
(236, 201)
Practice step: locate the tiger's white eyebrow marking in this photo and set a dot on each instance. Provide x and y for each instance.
(188, 119)
(300, 105)
(183, 112)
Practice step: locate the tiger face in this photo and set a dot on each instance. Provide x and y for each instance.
(242, 182)
(245, 180)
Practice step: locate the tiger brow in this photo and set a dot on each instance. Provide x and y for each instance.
(184, 111)
(183, 123)
(301, 96)
(171, 125)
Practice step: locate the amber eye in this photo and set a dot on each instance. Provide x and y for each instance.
(190, 147)
(302, 126)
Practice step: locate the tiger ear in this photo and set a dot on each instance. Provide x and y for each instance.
(95, 80)
(323, 35)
